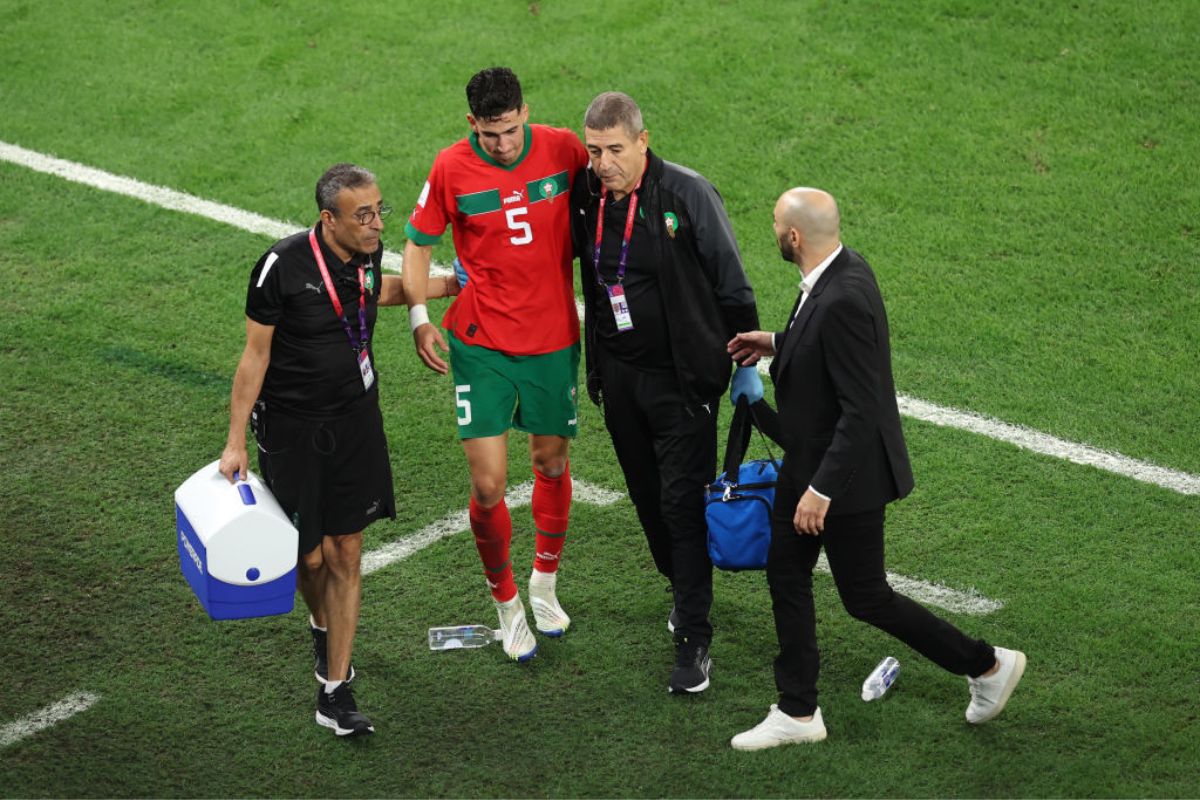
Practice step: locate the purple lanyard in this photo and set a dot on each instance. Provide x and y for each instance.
(359, 342)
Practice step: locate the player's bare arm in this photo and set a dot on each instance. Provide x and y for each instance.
(427, 338)
(392, 291)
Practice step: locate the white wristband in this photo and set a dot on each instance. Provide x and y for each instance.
(418, 315)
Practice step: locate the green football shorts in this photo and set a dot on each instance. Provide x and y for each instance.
(495, 392)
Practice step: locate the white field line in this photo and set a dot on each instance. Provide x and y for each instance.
(451, 524)
(44, 718)
(169, 198)
(1044, 443)
(933, 594)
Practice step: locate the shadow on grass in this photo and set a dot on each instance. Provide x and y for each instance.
(161, 367)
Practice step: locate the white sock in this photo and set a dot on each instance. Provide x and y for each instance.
(331, 685)
(312, 623)
(543, 580)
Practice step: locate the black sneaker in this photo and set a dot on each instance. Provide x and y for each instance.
(673, 617)
(692, 666)
(338, 710)
(321, 656)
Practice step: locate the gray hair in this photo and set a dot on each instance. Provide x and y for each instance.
(338, 177)
(611, 109)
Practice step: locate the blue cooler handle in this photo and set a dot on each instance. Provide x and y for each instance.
(244, 490)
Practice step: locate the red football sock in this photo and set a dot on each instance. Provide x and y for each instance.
(493, 532)
(551, 508)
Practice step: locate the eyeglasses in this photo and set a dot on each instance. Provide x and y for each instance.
(367, 217)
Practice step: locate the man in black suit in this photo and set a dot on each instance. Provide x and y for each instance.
(844, 461)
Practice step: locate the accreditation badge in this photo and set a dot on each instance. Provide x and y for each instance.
(620, 308)
(364, 366)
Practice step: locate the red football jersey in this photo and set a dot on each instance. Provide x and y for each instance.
(512, 232)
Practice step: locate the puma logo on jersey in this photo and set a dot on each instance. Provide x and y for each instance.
(517, 196)
(315, 287)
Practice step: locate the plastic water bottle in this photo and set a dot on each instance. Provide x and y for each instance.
(457, 637)
(880, 679)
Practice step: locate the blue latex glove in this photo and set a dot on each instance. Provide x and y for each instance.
(746, 383)
(460, 273)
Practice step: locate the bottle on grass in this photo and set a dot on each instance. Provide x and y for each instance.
(457, 637)
(880, 679)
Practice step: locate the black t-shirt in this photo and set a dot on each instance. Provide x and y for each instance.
(314, 369)
(646, 345)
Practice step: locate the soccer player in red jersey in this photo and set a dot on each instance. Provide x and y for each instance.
(513, 331)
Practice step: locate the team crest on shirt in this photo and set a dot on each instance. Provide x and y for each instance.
(370, 280)
(548, 189)
(672, 222)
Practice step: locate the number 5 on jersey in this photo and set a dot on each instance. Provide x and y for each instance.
(518, 225)
(463, 403)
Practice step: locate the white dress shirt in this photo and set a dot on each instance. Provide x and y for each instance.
(806, 286)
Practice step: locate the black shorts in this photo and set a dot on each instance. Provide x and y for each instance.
(332, 477)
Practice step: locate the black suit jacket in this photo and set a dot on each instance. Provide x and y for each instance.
(836, 397)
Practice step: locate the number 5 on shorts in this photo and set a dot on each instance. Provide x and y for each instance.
(463, 403)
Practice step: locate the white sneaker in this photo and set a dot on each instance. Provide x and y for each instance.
(519, 642)
(548, 615)
(988, 695)
(779, 728)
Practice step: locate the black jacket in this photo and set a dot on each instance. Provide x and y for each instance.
(699, 270)
(837, 400)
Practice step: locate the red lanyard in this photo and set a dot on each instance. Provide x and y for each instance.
(633, 204)
(361, 341)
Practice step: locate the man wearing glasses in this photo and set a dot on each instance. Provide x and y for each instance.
(514, 331)
(307, 385)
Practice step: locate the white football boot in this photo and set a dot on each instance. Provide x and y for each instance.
(548, 615)
(519, 641)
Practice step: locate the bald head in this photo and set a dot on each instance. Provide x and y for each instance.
(807, 225)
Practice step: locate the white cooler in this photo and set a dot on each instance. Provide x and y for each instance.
(237, 549)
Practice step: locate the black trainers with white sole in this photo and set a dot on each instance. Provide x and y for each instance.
(337, 710)
(692, 667)
(321, 656)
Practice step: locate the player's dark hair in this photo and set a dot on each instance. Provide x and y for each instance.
(493, 92)
(611, 109)
(338, 177)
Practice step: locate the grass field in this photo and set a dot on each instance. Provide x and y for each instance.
(1023, 178)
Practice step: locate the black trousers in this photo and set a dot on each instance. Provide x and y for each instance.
(854, 546)
(668, 453)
